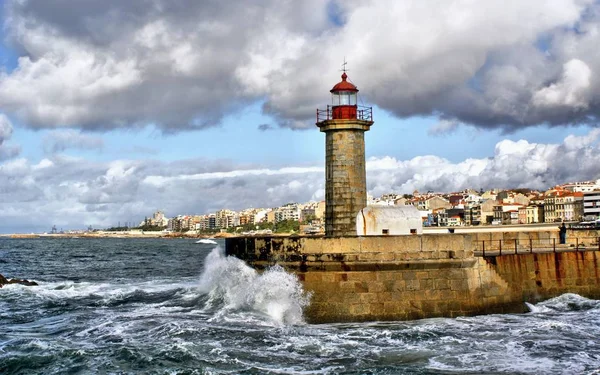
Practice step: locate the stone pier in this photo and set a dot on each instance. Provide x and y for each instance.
(410, 277)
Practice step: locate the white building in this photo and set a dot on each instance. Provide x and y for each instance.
(389, 220)
(582, 187)
(591, 204)
(288, 212)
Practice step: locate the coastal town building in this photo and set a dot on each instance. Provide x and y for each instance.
(290, 211)
(246, 218)
(550, 215)
(226, 219)
(534, 213)
(402, 201)
(434, 203)
(505, 213)
(591, 205)
(314, 210)
(270, 217)
(522, 215)
(563, 205)
(487, 211)
(473, 214)
(454, 221)
(159, 219)
(450, 216)
(490, 194)
(582, 187)
(569, 206)
(568, 202)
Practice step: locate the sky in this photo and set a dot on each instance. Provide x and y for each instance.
(111, 110)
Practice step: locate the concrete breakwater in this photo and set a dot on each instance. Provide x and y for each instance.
(438, 275)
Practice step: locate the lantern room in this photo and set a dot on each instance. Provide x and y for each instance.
(344, 104)
(343, 99)
(344, 93)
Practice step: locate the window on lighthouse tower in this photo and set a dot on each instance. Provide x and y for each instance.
(343, 98)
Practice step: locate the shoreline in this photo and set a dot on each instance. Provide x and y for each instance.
(114, 235)
(140, 234)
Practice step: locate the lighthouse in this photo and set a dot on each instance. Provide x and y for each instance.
(344, 124)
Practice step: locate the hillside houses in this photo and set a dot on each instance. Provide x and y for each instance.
(574, 201)
(503, 207)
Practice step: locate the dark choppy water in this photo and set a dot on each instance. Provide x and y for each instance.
(120, 306)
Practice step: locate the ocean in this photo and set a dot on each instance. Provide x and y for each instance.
(174, 306)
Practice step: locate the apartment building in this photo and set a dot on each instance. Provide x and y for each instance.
(252, 216)
(436, 202)
(226, 219)
(534, 214)
(570, 206)
(550, 215)
(447, 217)
(454, 221)
(290, 211)
(591, 204)
(487, 211)
(159, 219)
(207, 222)
(582, 187)
(473, 214)
(313, 209)
(563, 206)
(506, 213)
(522, 215)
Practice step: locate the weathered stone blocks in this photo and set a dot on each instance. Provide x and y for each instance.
(407, 277)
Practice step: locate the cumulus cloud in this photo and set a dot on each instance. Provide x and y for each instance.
(6, 129)
(73, 192)
(61, 140)
(519, 164)
(180, 65)
(570, 91)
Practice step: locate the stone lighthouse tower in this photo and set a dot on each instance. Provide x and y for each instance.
(344, 124)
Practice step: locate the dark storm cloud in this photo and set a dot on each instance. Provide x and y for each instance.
(184, 65)
(173, 64)
(490, 64)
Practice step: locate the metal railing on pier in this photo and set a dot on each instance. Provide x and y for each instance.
(524, 246)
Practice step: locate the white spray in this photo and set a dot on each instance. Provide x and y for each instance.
(238, 287)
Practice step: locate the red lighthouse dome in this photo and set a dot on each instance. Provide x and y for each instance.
(344, 85)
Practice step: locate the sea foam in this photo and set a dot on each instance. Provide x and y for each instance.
(231, 285)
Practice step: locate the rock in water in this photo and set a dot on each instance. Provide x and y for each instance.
(4, 281)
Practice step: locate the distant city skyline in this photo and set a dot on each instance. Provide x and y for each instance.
(427, 202)
(117, 109)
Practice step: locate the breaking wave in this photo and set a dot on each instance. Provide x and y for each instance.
(233, 286)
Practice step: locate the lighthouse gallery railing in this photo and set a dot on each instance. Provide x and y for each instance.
(362, 113)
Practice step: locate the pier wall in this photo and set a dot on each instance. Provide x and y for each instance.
(420, 276)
